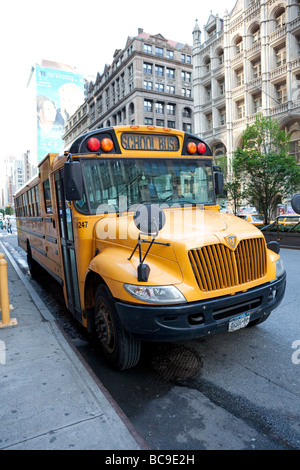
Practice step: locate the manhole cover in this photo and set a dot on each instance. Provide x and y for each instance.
(176, 362)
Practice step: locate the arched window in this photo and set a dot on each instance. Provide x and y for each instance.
(280, 17)
(187, 113)
(255, 32)
(239, 44)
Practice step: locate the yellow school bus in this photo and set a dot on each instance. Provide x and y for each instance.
(126, 221)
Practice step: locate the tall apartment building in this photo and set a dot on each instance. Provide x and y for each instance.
(149, 82)
(248, 62)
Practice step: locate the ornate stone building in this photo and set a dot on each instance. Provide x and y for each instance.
(149, 82)
(248, 62)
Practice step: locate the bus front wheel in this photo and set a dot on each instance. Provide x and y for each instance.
(122, 351)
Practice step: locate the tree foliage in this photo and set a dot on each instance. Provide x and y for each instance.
(268, 173)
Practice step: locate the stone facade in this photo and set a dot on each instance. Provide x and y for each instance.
(248, 63)
(149, 82)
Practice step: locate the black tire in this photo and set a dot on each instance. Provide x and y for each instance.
(258, 321)
(33, 266)
(120, 350)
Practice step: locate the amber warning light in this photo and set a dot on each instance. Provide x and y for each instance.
(94, 144)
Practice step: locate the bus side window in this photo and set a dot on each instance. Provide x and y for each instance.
(37, 200)
(47, 197)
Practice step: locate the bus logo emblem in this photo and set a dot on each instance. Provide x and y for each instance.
(231, 239)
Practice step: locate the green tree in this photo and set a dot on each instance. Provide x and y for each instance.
(269, 174)
(9, 210)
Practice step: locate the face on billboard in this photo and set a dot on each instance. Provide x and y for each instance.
(59, 94)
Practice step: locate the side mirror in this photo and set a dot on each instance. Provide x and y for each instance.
(219, 183)
(149, 219)
(73, 183)
(296, 203)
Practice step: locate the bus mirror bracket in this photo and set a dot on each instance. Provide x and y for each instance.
(149, 219)
(73, 183)
(219, 180)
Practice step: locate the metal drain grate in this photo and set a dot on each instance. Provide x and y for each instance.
(176, 362)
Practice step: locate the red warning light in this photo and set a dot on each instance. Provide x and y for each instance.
(201, 148)
(93, 144)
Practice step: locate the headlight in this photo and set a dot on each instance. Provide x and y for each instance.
(156, 294)
(279, 268)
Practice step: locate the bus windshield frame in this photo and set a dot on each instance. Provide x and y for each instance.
(117, 184)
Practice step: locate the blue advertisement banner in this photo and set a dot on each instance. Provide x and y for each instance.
(59, 93)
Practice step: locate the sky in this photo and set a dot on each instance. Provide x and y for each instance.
(84, 35)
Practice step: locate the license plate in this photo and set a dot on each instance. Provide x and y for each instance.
(239, 322)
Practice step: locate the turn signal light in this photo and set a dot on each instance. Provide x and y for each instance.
(191, 147)
(106, 145)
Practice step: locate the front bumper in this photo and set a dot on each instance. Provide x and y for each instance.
(194, 319)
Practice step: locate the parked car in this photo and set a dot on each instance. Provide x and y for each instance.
(288, 219)
(255, 219)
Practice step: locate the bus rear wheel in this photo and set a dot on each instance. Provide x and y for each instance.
(33, 266)
(121, 351)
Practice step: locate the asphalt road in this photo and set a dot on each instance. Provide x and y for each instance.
(237, 390)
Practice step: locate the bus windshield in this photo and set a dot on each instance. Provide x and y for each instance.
(118, 184)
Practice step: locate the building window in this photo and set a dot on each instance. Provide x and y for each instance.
(281, 93)
(280, 18)
(171, 89)
(130, 70)
(221, 56)
(148, 85)
(188, 59)
(159, 107)
(208, 93)
(240, 109)
(147, 49)
(148, 106)
(255, 34)
(186, 76)
(170, 54)
(170, 73)
(257, 103)
(148, 121)
(159, 71)
(187, 92)
(221, 87)
(160, 122)
(147, 68)
(239, 77)
(222, 114)
(171, 109)
(171, 124)
(281, 56)
(159, 87)
(239, 45)
(207, 64)
(187, 127)
(159, 51)
(256, 68)
(187, 113)
(209, 121)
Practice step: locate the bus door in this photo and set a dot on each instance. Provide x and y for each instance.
(68, 247)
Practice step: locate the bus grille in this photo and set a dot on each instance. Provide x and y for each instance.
(217, 267)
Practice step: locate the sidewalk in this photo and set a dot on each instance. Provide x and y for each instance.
(49, 399)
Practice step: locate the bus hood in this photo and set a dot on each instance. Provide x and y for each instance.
(185, 228)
